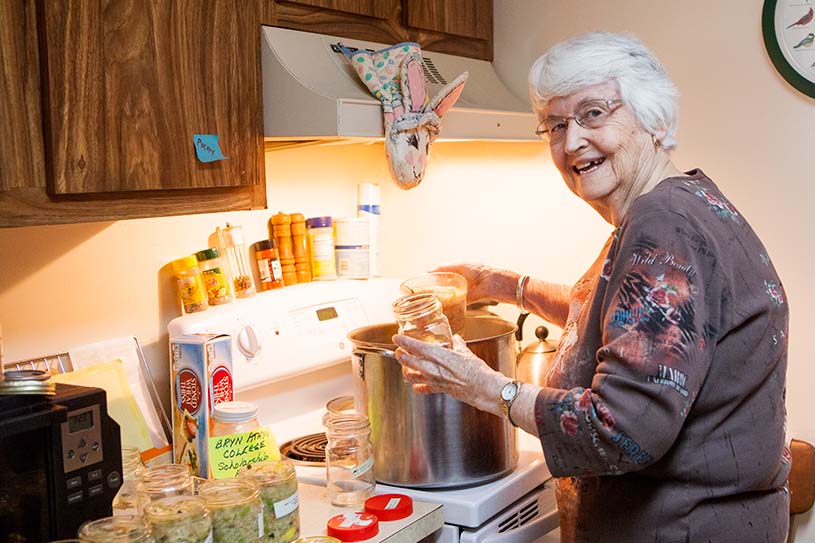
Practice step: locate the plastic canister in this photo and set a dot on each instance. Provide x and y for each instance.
(190, 284)
(368, 205)
(321, 248)
(214, 275)
(351, 247)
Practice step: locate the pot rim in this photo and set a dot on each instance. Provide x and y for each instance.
(502, 328)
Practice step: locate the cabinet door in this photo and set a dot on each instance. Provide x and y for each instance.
(129, 82)
(467, 18)
(22, 163)
(455, 27)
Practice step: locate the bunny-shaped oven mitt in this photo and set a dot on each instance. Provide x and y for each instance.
(395, 77)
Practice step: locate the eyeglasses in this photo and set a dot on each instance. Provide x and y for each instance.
(590, 114)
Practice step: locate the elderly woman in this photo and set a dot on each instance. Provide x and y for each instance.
(663, 418)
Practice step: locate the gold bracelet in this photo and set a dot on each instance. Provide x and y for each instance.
(519, 293)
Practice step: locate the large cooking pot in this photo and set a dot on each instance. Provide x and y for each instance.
(432, 440)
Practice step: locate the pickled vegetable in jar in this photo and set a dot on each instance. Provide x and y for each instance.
(420, 316)
(277, 481)
(190, 285)
(236, 510)
(119, 529)
(179, 519)
(214, 275)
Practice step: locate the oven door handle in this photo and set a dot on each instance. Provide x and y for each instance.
(532, 531)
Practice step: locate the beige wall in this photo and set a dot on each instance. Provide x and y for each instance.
(500, 203)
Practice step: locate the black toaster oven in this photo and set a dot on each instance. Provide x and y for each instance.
(60, 463)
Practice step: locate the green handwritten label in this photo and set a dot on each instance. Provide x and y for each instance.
(227, 454)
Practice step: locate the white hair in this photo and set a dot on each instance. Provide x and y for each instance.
(599, 57)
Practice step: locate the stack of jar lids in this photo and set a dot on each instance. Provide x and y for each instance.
(360, 526)
(27, 383)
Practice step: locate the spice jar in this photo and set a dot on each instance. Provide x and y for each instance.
(234, 418)
(269, 270)
(349, 459)
(420, 316)
(232, 241)
(299, 245)
(119, 529)
(281, 229)
(321, 248)
(190, 284)
(125, 501)
(277, 481)
(179, 519)
(236, 510)
(214, 275)
(163, 481)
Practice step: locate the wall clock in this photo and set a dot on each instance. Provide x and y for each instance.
(789, 36)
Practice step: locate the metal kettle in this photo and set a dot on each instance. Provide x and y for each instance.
(534, 361)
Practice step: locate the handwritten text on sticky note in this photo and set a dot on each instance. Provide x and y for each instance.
(227, 454)
(207, 148)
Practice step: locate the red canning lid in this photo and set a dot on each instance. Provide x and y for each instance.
(357, 526)
(390, 506)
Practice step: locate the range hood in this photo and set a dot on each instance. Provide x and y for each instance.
(310, 92)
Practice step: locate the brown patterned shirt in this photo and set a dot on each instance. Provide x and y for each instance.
(665, 417)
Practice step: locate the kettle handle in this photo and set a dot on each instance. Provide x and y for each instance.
(519, 332)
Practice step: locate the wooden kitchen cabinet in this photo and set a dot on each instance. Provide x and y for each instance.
(103, 99)
(456, 27)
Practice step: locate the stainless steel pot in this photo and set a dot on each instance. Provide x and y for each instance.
(432, 441)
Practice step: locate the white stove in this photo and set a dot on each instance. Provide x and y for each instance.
(291, 356)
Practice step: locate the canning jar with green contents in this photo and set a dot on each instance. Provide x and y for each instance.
(118, 529)
(277, 481)
(236, 510)
(179, 519)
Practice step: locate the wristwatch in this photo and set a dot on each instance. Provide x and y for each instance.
(508, 394)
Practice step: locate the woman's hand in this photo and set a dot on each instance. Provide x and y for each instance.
(432, 368)
(479, 286)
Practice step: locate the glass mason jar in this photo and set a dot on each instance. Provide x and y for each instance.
(234, 418)
(349, 459)
(420, 316)
(125, 502)
(179, 519)
(277, 481)
(236, 510)
(162, 482)
(119, 529)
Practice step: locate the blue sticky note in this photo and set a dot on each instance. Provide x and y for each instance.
(206, 147)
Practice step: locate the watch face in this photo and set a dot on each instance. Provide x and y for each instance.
(509, 391)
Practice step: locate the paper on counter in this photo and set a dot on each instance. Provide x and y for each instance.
(124, 349)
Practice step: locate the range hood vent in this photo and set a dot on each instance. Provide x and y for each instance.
(310, 92)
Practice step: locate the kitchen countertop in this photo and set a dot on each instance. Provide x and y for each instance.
(315, 510)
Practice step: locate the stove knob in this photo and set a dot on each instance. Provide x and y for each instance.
(248, 342)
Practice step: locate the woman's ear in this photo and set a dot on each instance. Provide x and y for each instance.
(414, 91)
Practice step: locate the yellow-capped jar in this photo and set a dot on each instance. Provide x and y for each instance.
(190, 285)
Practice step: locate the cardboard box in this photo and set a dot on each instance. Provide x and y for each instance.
(201, 373)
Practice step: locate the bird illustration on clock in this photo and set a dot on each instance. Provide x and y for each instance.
(805, 19)
(806, 42)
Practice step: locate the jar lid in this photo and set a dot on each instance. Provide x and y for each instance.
(318, 222)
(121, 528)
(184, 263)
(208, 254)
(263, 245)
(269, 471)
(356, 526)
(389, 506)
(235, 411)
(174, 509)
